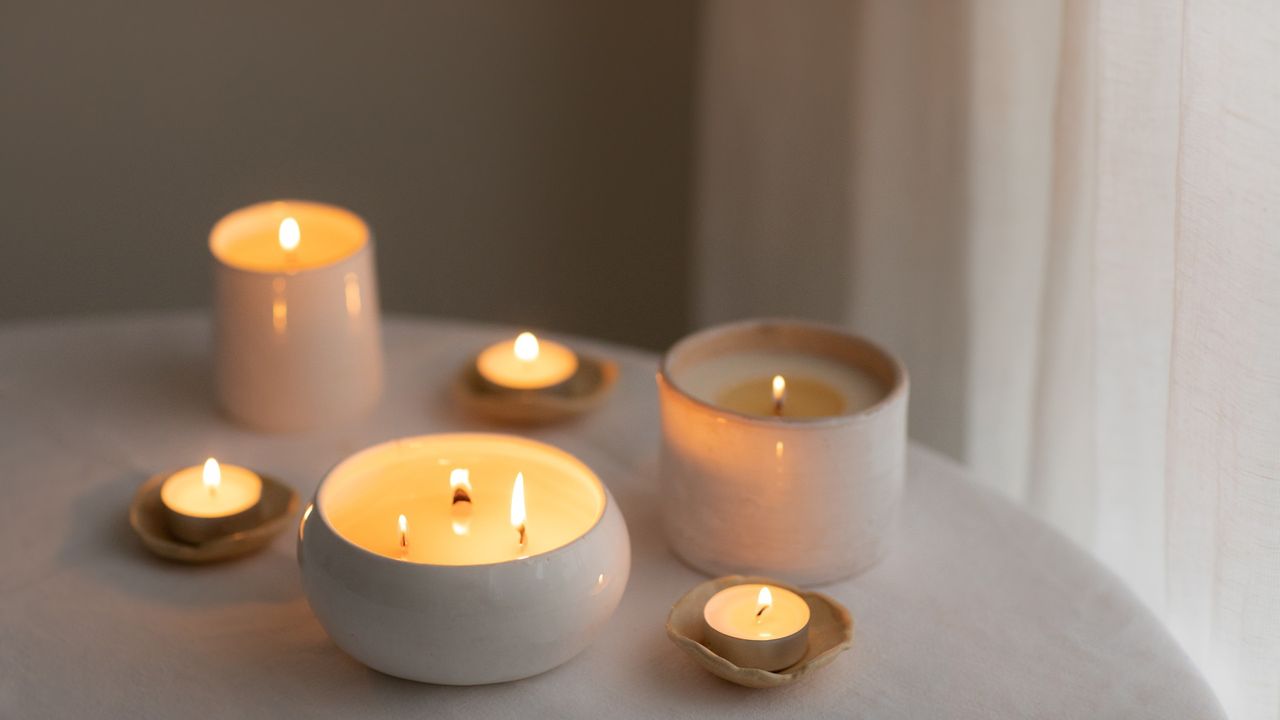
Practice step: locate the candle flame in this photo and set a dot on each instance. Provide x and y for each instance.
(526, 347)
(517, 507)
(212, 476)
(764, 601)
(290, 234)
(403, 522)
(460, 478)
(779, 393)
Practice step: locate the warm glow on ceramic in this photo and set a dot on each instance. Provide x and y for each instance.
(554, 497)
(289, 235)
(786, 384)
(211, 490)
(351, 285)
(526, 363)
(267, 237)
(756, 612)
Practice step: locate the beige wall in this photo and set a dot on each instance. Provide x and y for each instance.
(520, 162)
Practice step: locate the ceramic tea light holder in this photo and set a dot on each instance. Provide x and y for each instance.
(209, 513)
(297, 341)
(783, 449)
(827, 632)
(463, 559)
(529, 380)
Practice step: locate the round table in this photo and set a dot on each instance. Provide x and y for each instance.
(979, 612)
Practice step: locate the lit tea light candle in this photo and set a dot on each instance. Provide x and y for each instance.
(758, 626)
(527, 363)
(209, 501)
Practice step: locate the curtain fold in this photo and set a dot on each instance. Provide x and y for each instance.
(1065, 217)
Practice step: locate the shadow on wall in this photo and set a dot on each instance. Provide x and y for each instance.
(519, 163)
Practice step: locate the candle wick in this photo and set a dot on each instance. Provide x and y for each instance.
(760, 612)
(460, 510)
(524, 536)
(777, 406)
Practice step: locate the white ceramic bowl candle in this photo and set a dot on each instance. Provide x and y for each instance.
(296, 329)
(463, 559)
(783, 450)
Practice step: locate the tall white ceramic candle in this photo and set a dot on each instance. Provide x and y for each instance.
(463, 559)
(296, 325)
(783, 450)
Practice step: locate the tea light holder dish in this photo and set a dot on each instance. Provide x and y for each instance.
(582, 392)
(830, 633)
(809, 499)
(150, 522)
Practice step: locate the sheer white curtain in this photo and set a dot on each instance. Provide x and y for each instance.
(1065, 216)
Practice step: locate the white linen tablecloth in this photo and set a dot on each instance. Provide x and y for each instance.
(980, 612)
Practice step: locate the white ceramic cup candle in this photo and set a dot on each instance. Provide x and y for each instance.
(783, 450)
(463, 559)
(297, 341)
(211, 500)
(757, 626)
(527, 363)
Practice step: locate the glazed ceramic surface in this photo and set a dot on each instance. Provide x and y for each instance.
(297, 350)
(464, 624)
(808, 500)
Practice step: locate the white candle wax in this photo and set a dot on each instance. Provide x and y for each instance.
(287, 236)
(815, 386)
(527, 363)
(557, 500)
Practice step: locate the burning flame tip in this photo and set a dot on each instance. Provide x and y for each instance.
(212, 474)
(517, 502)
(526, 347)
(290, 234)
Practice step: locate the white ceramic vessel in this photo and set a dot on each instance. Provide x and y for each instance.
(296, 345)
(807, 500)
(462, 624)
